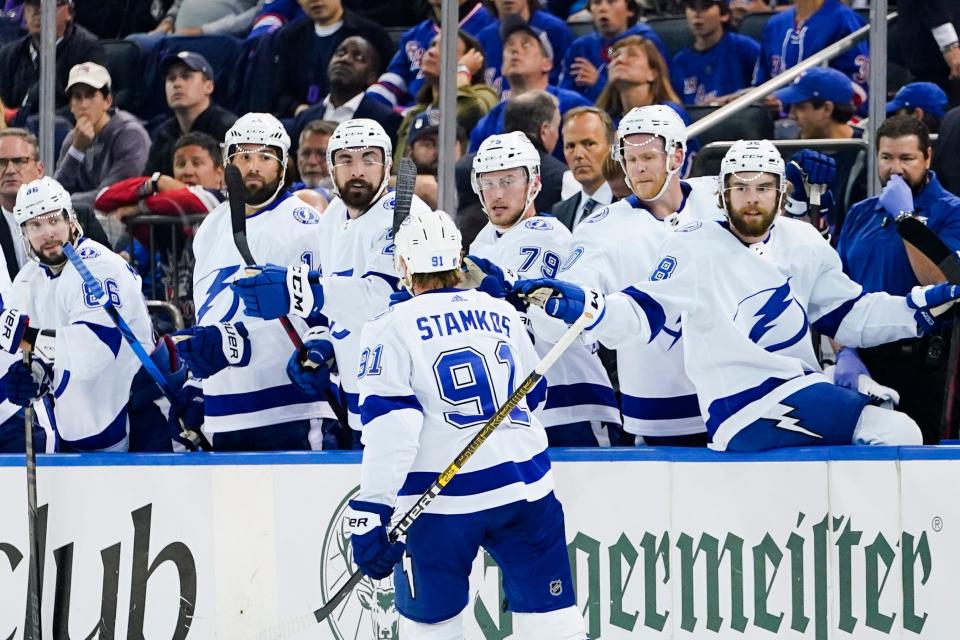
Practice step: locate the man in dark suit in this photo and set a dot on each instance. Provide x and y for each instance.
(354, 66)
(587, 138)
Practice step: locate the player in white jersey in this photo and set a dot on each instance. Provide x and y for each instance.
(79, 356)
(249, 403)
(354, 275)
(747, 291)
(580, 409)
(433, 370)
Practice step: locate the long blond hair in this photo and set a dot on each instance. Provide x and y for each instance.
(660, 88)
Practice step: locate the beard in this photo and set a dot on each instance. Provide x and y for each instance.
(260, 195)
(357, 194)
(752, 227)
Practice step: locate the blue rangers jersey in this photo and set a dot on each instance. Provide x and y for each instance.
(402, 80)
(579, 389)
(786, 42)
(700, 77)
(746, 314)
(93, 366)
(614, 247)
(432, 371)
(285, 232)
(557, 32)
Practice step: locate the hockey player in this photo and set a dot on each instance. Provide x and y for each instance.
(79, 355)
(433, 370)
(249, 404)
(352, 275)
(748, 290)
(581, 408)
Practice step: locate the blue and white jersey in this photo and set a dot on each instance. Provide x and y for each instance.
(746, 314)
(614, 247)
(786, 42)
(433, 370)
(700, 77)
(579, 389)
(402, 80)
(93, 364)
(557, 33)
(7, 408)
(355, 259)
(286, 232)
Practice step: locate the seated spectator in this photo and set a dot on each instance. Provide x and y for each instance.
(802, 30)
(587, 139)
(305, 48)
(527, 60)
(719, 63)
(202, 17)
(106, 145)
(312, 157)
(924, 101)
(874, 255)
(555, 28)
(354, 66)
(400, 83)
(585, 63)
(20, 60)
(638, 77)
(474, 98)
(423, 148)
(189, 85)
(821, 101)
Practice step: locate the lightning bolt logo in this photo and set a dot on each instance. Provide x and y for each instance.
(781, 414)
(216, 287)
(776, 304)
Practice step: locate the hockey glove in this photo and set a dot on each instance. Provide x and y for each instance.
(849, 369)
(24, 383)
(312, 375)
(187, 412)
(13, 325)
(372, 550)
(480, 273)
(278, 291)
(810, 167)
(896, 198)
(211, 349)
(931, 302)
(561, 299)
(400, 296)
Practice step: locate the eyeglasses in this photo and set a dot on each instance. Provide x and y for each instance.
(18, 162)
(500, 183)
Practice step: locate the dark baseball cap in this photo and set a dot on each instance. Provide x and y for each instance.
(926, 95)
(513, 22)
(818, 83)
(424, 123)
(190, 59)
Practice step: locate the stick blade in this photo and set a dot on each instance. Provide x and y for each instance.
(925, 241)
(406, 180)
(236, 195)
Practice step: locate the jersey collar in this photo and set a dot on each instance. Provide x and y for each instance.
(273, 205)
(637, 203)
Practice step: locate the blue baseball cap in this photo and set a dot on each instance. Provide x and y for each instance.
(192, 60)
(926, 95)
(424, 123)
(818, 83)
(513, 22)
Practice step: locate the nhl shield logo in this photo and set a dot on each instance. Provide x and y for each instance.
(556, 587)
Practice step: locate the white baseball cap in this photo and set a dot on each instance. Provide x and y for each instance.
(89, 73)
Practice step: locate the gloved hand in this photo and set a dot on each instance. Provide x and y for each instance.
(931, 302)
(400, 296)
(562, 299)
(13, 325)
(23, 383)
(277, 291)
(480, 273)
(896, 197)
(211, 349)
(372, 551)
(849, 368)
(312, 375)
(810, 167)
(188, 411)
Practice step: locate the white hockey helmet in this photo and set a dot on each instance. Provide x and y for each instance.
(507, 151)
(747, 156)
(40, 197)
(427, 242)
(258, 128)
(358, 134)
(656, 120)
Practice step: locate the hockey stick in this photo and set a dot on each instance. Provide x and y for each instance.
(34, 629)
(406, 180)
(238, 223)
(196, 438)
(399, 531)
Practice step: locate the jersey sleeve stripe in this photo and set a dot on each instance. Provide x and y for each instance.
(829, 323)
(656, 316)
(536, 395)
(109, 336)
(378, 406)
(229, 404)
(482, 481)
(572, 395)
(669, 408)
(64, 379)
(393, 281)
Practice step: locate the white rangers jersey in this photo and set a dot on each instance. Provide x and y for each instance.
(93, 365)
(579, 389)
(747, 313)
(433, 370)
(615, 247)
(355, 259)
(286, 232)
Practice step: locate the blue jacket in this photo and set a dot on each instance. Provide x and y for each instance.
(557, 32)
(699, 77)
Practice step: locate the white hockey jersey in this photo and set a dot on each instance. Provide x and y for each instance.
(7, 408)
(433, 370)
(746, 315)
(355, 258)
(615, 247)
(93, 365)
(286, 232)
(579, 389)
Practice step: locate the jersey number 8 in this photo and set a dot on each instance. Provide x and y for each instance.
(464, 378)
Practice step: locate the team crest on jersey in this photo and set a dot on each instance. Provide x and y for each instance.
(538, 223)
(390, 203)
(598, 216)
(690, 226)
(772, 318)
(88, 252)
(306, 215)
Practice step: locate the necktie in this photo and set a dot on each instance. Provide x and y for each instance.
(588, 208)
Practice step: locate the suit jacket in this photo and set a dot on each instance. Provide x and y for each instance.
(368, 108)
(565, 210)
